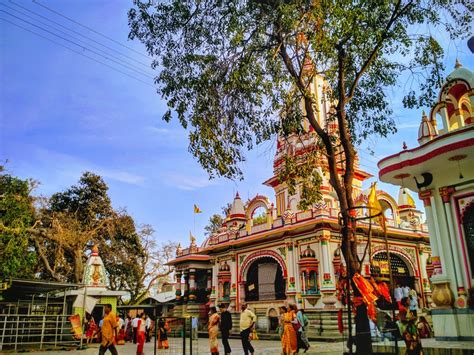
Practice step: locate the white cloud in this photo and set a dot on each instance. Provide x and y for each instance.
(407, 125)
(188, 182)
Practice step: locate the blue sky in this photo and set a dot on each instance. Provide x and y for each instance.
(62, 113)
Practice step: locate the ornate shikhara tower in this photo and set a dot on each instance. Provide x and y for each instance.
(441, 171)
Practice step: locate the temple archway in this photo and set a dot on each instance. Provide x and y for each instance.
(264, 280)
(402, 271)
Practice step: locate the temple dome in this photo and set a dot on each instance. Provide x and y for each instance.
(308, 253)
(426, 132)
(460, 73)
(237, 210)
(404, 199)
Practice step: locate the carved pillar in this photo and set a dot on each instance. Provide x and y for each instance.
(233, 283)
(192, 284)
(186, 287)
(456, 257)
(326, 262)
(178, 286)
(426, 197)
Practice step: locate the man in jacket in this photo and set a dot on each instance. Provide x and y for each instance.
(226, 327)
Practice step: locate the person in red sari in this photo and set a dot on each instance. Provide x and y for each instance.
(91, 328)
(121, 336)
(141, 334)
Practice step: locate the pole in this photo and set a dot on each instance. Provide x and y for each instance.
(155, 313)
(392, 292)
(191, 336)
(184, 336)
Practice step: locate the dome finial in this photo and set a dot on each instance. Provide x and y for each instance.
(458, 64)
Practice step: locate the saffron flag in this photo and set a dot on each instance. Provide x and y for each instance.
(375, 207)
(197, 209)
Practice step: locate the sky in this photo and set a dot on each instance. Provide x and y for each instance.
(64, 111)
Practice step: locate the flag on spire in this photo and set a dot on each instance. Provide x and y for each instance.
(197, 209)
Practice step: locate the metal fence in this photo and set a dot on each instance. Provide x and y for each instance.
(40, 325)
(182, 338)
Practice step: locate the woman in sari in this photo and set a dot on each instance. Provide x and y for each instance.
(91, 328)
(141, 334)
(213, 329)
(408, 329)
(163, 329)
(288, 338)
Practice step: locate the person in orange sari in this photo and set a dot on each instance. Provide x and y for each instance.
(213, 329)
(288, 338)
(141, 334)
(163, 329)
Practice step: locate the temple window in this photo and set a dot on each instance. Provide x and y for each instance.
(311, 282)
(226, 291)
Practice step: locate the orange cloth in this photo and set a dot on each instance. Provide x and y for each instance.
(365, 288)
(108, 329)
(288, 339)
(384, 291)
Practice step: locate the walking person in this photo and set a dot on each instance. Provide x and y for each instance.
(247, 322)
(163, 329)
(108, 331)
(409, 330)
(226, 327)
(413, 306)
(135, 325)
(141, 334)
(91, 327)
(213, 330)
(289, 341)
(148, 327)
(303, 320)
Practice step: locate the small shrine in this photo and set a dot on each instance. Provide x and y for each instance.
(95, 294)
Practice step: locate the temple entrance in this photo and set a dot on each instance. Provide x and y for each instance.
(265, 281)
(401, 271)
(468, 226)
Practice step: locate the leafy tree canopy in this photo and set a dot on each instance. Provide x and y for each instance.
(17, 217)
(234, 71)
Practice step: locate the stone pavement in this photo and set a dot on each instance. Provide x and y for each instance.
(267, 347)
(202, 345)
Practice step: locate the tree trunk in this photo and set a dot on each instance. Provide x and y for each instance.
(78, 265)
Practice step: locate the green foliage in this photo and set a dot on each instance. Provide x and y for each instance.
(260, 218)
(215, 222)
(16, 220)
(236, 72)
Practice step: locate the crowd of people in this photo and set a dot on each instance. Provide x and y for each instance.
(293, 323)
(113, 330)
(407, 325)
(292, 329)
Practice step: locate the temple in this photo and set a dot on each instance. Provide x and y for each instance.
(270, 252)
(441, 171)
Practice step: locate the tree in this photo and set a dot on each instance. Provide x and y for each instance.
(236, 72)
(216, 220)
(73, 221)
(215, 223)
(17, 217)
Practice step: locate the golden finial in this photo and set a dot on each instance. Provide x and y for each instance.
(458, 64)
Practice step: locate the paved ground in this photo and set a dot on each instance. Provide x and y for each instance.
(261, 347)
(202, 346)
